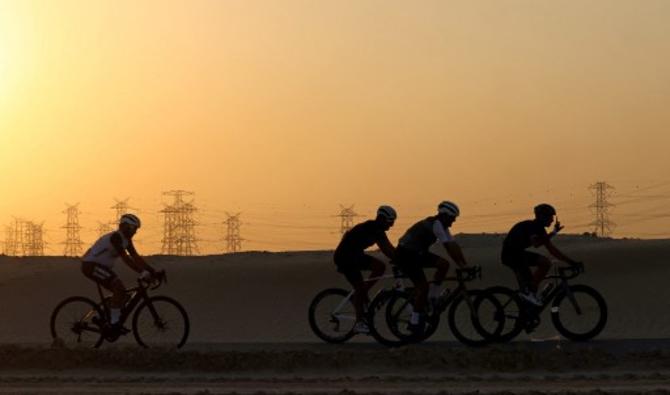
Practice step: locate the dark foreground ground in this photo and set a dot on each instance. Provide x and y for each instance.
(604, 367)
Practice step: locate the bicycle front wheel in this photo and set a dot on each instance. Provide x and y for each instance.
(77, 322)
(160, 322)
(332, 315)
(579, 314)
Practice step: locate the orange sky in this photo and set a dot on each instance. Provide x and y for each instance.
(285, 109)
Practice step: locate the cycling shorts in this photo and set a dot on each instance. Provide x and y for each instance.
(99, 273)
(412, 263)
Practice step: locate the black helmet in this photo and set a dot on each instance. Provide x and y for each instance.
(130, 219)
(544, 210)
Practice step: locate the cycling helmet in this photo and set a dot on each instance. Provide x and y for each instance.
(448, 208)
(130, 219)
(387, 212)
(544, 210)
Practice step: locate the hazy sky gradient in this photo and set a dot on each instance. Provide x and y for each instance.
(284, 109)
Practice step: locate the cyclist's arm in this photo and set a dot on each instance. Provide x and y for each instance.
(453, 249)
(123, 254)
(455, 252)
(139, 261)
(128, 259)
(558, 254)
(386, 247)
(539, 240)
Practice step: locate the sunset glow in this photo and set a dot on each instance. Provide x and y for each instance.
(285, 109)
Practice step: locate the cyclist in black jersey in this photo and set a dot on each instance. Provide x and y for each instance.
(350, 257)
(532, 233)
(413, 254)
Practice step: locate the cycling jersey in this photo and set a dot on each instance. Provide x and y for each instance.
(424, 233)
(519, 238)
(360, 237)
(108, 248)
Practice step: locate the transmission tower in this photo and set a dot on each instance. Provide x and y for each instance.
(179, 225)
(24, 238)
(33, 239)
(121, 208)
(233, 238)
(10, 246)
(603, 226)
(347, 215)
(73, 243)
(14, 238)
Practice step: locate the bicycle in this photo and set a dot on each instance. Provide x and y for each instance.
(332, 315)
(157, 320)
(463, 317)
(578, 312)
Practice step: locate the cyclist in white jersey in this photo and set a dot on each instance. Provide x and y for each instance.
(413, 255)
(98, 262)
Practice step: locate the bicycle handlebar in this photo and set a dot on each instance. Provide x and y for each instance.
(155, 282)
(570, 272)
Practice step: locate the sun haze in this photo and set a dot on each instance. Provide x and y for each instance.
(285, 109)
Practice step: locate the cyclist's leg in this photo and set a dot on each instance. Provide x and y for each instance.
(377, 269)
(111, 282)
(442, 267)
(410, 263)
(418, 277)
(521, 271)
(543, 266)
(349, 267)
(355, 278)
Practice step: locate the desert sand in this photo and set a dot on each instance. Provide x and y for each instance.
(249, 331)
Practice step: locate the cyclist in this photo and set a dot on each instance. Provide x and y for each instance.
(532, 233)
(413, 254)
(98, 263)
(350, 258)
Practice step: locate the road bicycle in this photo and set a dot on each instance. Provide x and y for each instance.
(393, 310)
(157, 321)
(332, 315)
(578, 312)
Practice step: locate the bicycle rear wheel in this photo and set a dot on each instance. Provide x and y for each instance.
(510, 318)
(160, 322)
(382, 326)
(465, 322)
(332, 315)
(395, 315)
(76, 322)
(579, 314)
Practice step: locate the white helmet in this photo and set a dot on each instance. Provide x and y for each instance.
(387, 212)
(448, 208)
(130, 219)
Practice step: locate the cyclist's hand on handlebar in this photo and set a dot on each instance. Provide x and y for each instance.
(146, 276)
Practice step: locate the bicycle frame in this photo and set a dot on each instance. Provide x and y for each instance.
(398, 285)
(561, 285)
(136, 295)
